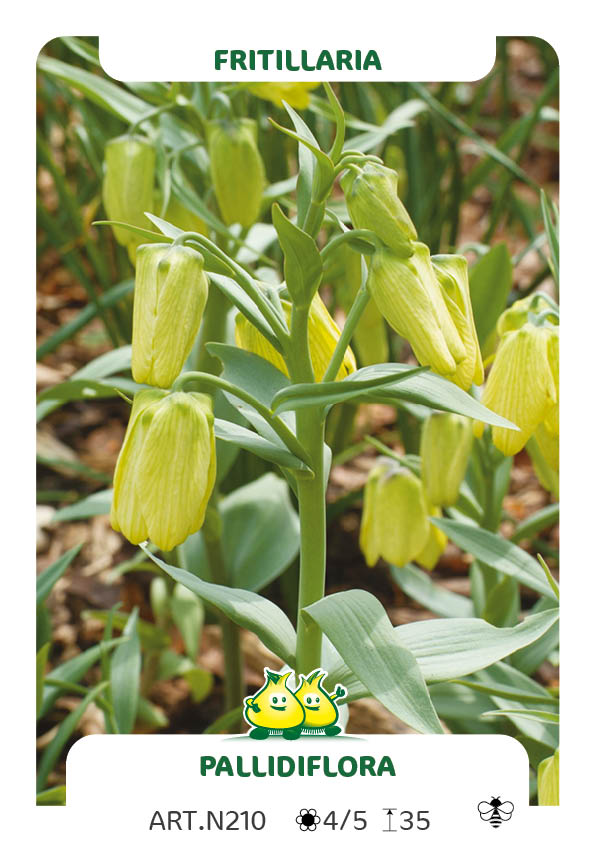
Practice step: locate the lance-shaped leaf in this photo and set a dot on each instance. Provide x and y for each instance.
(497, 553)
(431, 390)
(451, 648)
(48, 577)
(302, 266)
(350, 388)
(245, 305)
(357, 625)
(249, 440)
(247, 609)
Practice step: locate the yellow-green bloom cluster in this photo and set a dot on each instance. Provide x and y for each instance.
(323, 335)
(410, 298)
(395, 524)
(373, 202)
(166, 468)
(426, 300)
(296, 94)
(170, 294)
(128, 185)
(237, 169)
(446, 443)
(523, 383)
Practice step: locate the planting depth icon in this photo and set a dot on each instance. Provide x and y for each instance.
(276, 710)
(495, 811)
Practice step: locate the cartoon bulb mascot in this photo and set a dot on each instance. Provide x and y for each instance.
(321, 712)
(274, 709)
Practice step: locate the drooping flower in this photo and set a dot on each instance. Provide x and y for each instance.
(394, 523)
(166, 468)
(237, 169)
(170, 295)
(128, 185)
(373, 202)
(323, 335)
(296, 94)
(522, 384)
(409, 297)
(451, 272)
(446, 443)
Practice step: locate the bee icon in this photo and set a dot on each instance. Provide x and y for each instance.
(495, 811)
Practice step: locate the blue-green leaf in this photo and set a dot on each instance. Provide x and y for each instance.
(357, 625)
(48, 577)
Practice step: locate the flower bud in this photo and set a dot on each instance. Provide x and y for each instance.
(237, 170)
(521, 385)
(435, 545)
(323, 335)
(166, 468)
(170, 294)
(408, 295)
(373, 202)
(128, 185)
(446, 442)
(394, 522)
(296, 94)
(451, 272)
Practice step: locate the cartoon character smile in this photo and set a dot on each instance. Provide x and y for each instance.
(321, 712)
(274, 709)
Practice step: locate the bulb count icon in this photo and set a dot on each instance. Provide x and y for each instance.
(308, 819)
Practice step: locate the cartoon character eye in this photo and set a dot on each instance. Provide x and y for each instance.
(274, 700)
(283, 699)
(317, 700)
(308, 700)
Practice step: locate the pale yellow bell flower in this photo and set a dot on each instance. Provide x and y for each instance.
(435, 545)
(446, 443)
(170, 294)
(296, 94)
(166, 469)
(323, 335)
(394, 523)
(371, 194)
(409, 297)
(237, 169)
(521, 385)
(451, 272)
(129, 175)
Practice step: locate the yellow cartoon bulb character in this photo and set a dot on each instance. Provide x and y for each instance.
(320, 708)
(274, 709)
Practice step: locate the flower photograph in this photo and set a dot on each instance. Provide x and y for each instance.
(297, 407)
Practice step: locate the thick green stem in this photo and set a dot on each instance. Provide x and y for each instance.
(312, 507)
(311, 499)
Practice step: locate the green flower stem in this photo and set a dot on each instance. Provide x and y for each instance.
(311, 499)
(312, 508)
(355, 234)
(233, 675)
(357, 308)
(243, 279)
(279, 426)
